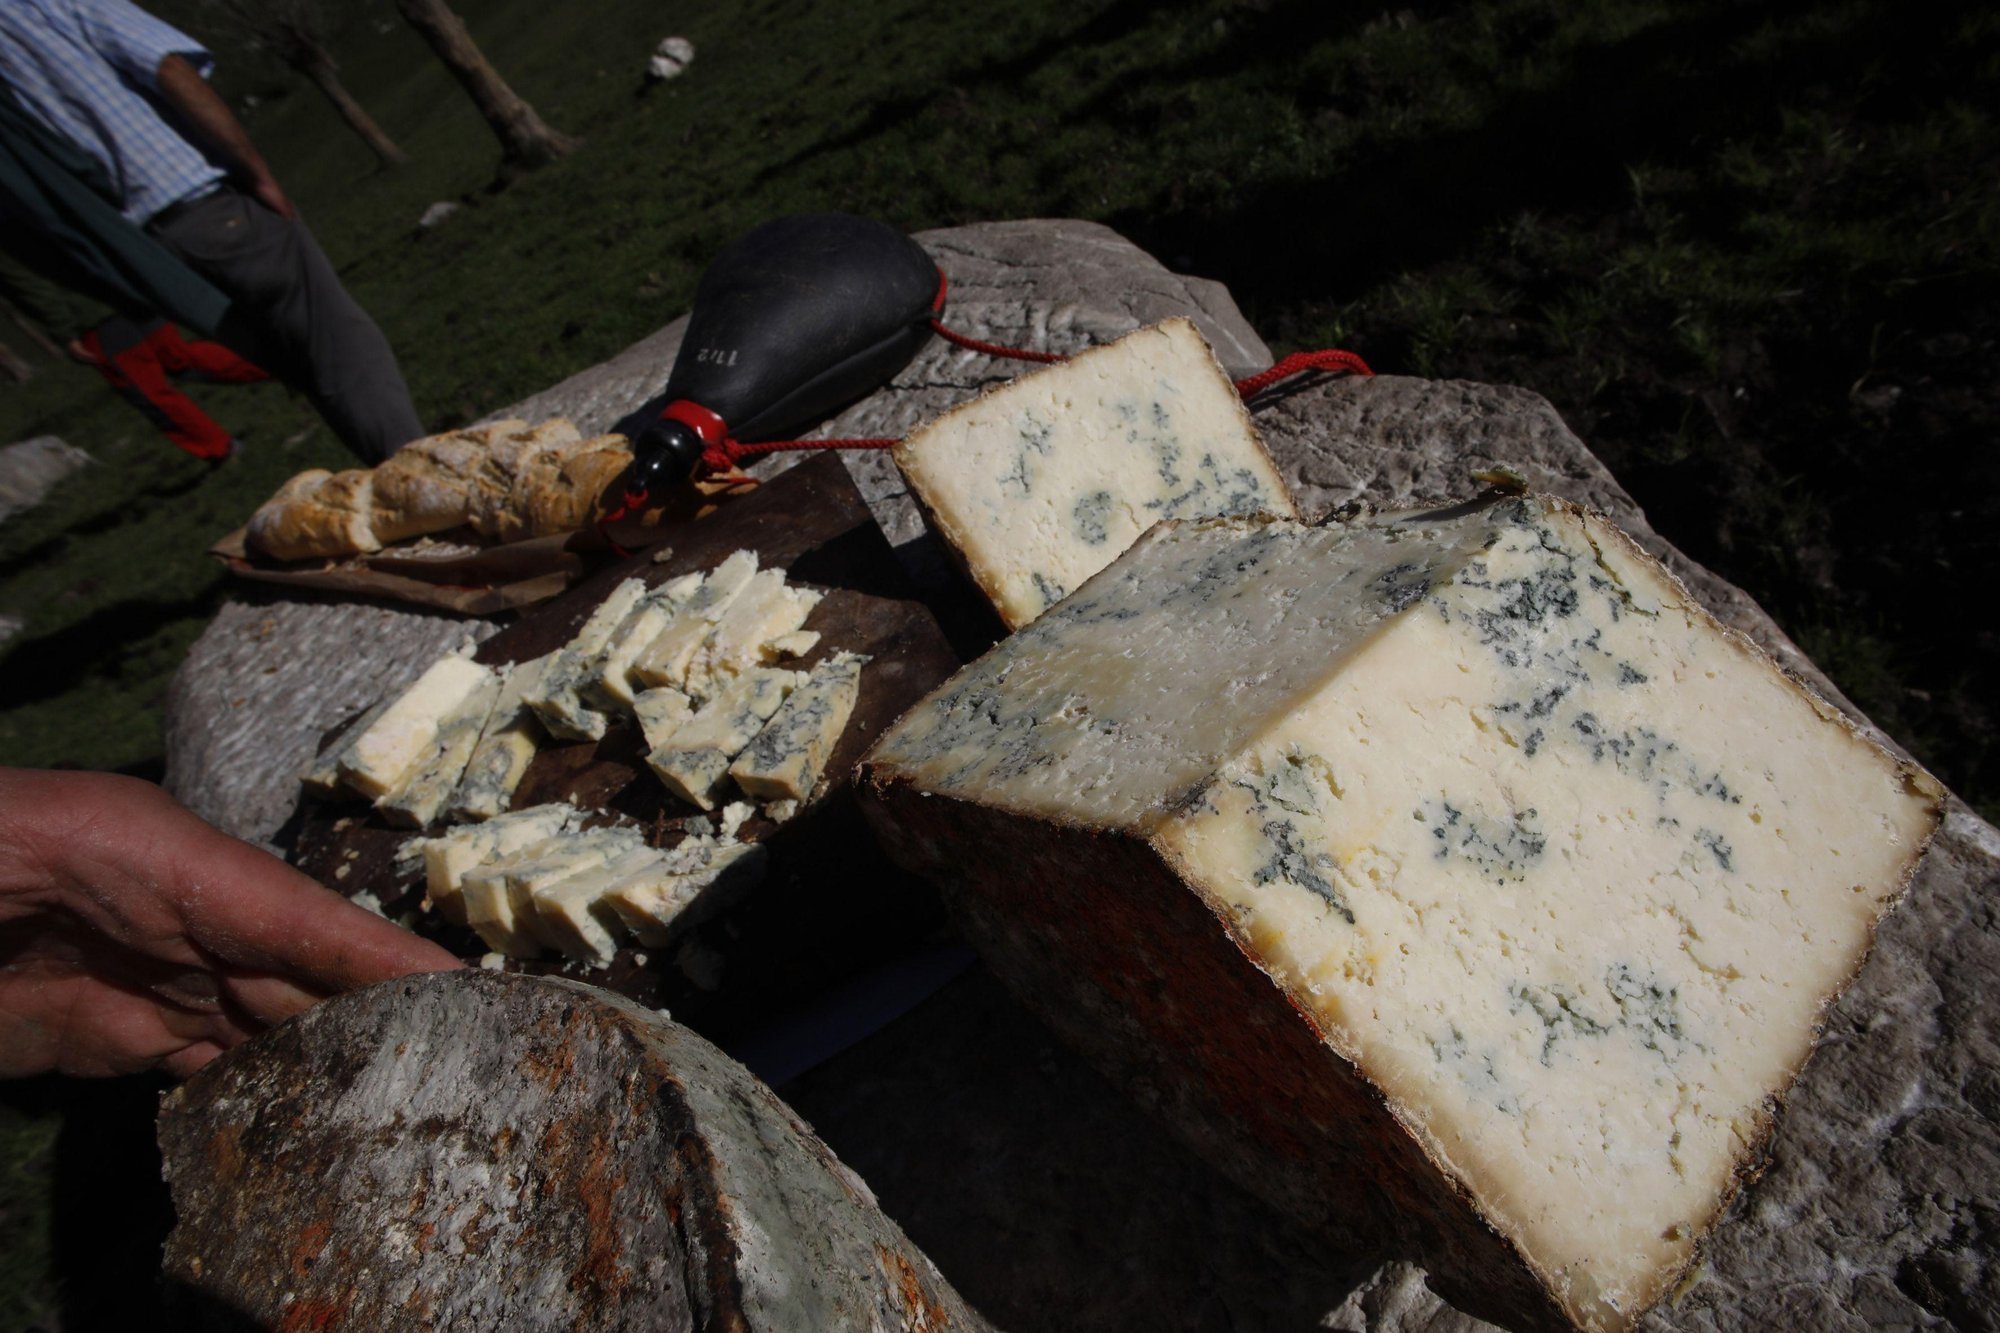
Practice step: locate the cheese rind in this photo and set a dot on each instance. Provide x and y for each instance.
(1506, 828)
(784, 761)
(398, 740)
(1039, 484)
(696, 760)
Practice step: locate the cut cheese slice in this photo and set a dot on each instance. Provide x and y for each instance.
(557, 697)
(784, 762)
(407, 730)
(684, 888)
(1044, 481)
(323, 778)
(506, 746)
(695, 761)
(1455, 867)
(608, 684)
(661, 713)
(765, 610)
(449, 856)
(665, 661)
(573, 915)
(420, 797)
(499, 897)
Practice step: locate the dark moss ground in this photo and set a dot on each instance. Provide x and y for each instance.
(1747, 248)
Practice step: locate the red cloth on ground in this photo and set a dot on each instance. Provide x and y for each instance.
(140, 373)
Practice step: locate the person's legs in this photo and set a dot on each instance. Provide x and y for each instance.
(207, 360)
(291, 316)
(123, 354)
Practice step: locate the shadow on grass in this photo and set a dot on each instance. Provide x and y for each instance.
(111, 1211)
(43, 668)
(104, 520)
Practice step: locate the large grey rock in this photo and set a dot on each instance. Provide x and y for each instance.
(466, 1150)
(30, 470)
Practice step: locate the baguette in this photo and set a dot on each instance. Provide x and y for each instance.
(318, 514)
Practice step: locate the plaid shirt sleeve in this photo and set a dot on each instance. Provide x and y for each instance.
(134, 42)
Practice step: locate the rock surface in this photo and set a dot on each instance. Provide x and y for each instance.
(470, 1151)
(30, 470)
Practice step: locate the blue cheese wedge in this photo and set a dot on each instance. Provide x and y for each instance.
(695, 762)
(499, 897)
(405, 733)
(506, 746)
(420, 797)
(783, 763)
(665, 661)
(685, 887)
(557, 697)
(1044, 481)
(1467, 845)
(449, 856)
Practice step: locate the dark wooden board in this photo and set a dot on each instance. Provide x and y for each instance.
(832, 904)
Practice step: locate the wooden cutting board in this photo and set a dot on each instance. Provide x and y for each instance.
(832, 904)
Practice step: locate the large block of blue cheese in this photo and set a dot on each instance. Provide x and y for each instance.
(1042, 482)
(1452, 868)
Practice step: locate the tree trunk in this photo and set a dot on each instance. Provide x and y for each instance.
(317, 65)
(525, 140)
(467, 1150)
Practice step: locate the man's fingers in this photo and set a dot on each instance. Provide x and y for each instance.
(270, 999)
(184, 1062)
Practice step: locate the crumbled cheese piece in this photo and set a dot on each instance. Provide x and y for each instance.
(1563, 870)
(400, 739)
(696, 760)
(734, 816)
(796, 644)
(785, 759)
(493, 962)
(556, 698)
(779, 811)
(1044, 481)
(366, 900)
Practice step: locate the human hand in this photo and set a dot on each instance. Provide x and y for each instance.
(134, 935)
(265, 189)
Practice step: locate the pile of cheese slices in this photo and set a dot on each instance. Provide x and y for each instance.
(691, 664)
(534, 880)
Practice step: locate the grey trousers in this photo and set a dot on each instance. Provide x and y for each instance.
(291, 316)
